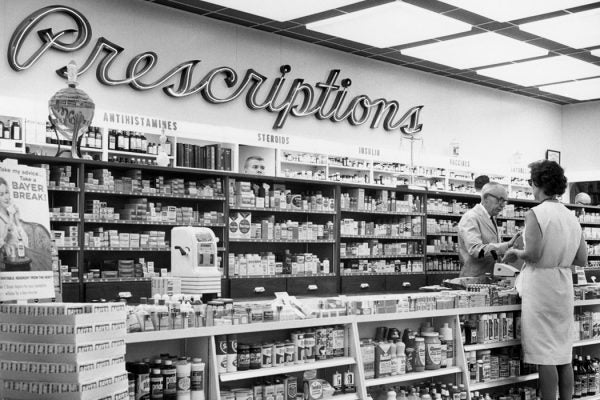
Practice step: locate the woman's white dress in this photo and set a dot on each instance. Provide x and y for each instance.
(547, 288)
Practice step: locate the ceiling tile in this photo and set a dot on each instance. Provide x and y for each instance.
(577, 30)
(588, 89)
(390, 24)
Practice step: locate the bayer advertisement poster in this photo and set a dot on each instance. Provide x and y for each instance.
(25, 241)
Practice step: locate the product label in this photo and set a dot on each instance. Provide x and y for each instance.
(434, 355)
(143, 387)
(170, 385)
(197, 381)
(183, 384)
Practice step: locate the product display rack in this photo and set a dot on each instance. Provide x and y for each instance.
(262, 285)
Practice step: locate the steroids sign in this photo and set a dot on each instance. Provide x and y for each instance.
(327, 100)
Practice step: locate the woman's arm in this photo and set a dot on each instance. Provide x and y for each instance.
(581, 258)
(533, 239)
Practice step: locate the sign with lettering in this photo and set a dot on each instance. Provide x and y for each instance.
(25, 241)
(325, 100)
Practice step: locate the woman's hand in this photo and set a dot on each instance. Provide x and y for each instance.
(512, 240)
(510, 256)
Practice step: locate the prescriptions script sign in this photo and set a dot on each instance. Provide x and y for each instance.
(323, 100)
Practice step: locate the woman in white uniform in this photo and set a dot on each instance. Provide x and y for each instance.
(553, 242)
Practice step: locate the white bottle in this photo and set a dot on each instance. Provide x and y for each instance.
(183, 373)
(401, 355)
(394, 358)
(447, 334)
(197, 379)
(391, 395)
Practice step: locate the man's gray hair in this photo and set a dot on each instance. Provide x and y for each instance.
(488, 188)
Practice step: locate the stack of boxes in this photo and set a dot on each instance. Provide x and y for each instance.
(56, 351)
(65, 237)
(60, 177)
(112, 238)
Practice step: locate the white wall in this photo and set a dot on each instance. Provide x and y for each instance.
(581, 132)
(490, 124)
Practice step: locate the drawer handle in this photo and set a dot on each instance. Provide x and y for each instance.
(259, 289)
(406, 284)
(364, 285)
(313, 287)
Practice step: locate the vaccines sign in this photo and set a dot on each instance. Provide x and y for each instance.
(25, 241)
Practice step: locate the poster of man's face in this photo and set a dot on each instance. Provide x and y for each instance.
(257, 160)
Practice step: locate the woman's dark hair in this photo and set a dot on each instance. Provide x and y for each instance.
(549, 176)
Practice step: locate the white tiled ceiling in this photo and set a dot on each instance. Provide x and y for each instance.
(442, 37)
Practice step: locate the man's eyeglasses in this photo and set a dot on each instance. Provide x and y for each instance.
(530, 182)
(500, 200)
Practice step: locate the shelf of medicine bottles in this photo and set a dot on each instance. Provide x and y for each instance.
(388, 380)
(347, 167)
(441, 272)
(131, 222)
(67, 248)
(443, 234)
(389, 172)
(381, 257)
(353, 210)
(63, 189)
(589, 223)
(63, 219)
(282, 240)
(442, 253)
(511, 218)
(133, 153)
(281, 210)
(65, 146)
(371, 273)
(286, 369)
(590, 302)
(382, 237)
(459, 179)
(495, 345)
(158, 249)
(502, 382)
(204, 331)
(162, 195)
(304, 163)
(318, 275)
(123, 279)
(586, 342)
(442, 214)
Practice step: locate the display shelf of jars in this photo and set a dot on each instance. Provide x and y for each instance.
(282, 210)
(502, 382)
(382, 237)
(282, 370)
(413, 376)
(368, 257)
(160, 195)
(189, 333)
(133, 222)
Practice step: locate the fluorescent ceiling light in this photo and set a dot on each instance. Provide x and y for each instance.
(475, 51)
(579, 90)
(509, 10)
(577, 30)
(390, 24)
(596, 52)
(542, 71)
(282, 10)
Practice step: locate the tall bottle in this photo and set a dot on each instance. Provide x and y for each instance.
(15, 131)
(197, 379)
(144, 148)
(120, 140)
(591, 376)
(183, 371)
(6, 130)
(156, 385)
(112, 140)
(169, 373)
(584, 375)
(577, 382)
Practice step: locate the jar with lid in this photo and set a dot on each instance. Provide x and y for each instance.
(243, 357)
(433, 350)
(255, 356)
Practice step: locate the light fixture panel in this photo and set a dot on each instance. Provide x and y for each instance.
(577, 30)
(280, 10)
(596, 53)
(390, 24)
(588, 89)
(475, 51)
(543, 71)
(510, 10)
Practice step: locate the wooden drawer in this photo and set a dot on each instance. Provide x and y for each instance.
(256, 287)
(323, 285)
(404, 283)
(363, 284)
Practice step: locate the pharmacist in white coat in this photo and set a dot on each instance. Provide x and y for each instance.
(479, 243)
(553, 243)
